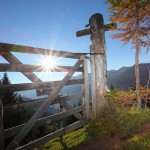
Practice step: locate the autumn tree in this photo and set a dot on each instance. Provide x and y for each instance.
(133, 18)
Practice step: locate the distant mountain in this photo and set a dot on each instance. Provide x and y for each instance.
(125, 76)
(120, 79)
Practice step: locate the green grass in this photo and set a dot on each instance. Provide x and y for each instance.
(124, 122)
(138, 142)
(71, 140)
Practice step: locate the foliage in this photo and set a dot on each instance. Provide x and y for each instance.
(115, 118)
(133, 17)
(138, 142)
(71, 140)
(11, 118)
(124, 121)
(128, 98)
(111, 88)
(125, 13)
(110, 122)
(7, 97)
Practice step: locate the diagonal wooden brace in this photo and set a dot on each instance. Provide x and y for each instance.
(16, 141)
(13, 60)
(68, 107)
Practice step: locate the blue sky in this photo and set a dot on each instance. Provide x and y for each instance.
(53, 24)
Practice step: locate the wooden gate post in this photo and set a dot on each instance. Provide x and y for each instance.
(98, 59)
(98, 62)
(86, 88)
(1, 126)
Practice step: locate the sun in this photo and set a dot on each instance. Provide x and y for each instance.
(48, 63)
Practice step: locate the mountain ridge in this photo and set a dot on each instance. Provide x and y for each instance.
(121, 79)
(124, 77)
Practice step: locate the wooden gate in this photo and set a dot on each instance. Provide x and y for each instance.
(52, 88)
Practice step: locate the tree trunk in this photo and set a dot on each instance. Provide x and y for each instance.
(137, 73)
(137, 76)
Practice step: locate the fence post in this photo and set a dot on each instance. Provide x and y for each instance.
(93, 83)
(98, 59)
(98, 62)
(1, 126)
(86, 88)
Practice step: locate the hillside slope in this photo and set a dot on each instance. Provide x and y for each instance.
(125, 76)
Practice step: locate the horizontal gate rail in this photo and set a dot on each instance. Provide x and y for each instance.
(34, 68)
(53, 135)
(38, 102)
(50, 88)
(13, 60)
(30, 124)
(38, 85)
(4, 48)
(42, 121)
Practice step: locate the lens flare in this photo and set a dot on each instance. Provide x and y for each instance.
(48, 64)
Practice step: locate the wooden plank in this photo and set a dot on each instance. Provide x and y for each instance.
(13, 60)
(1, 126)
(93, 82)
(34, 68)
(43, 121)
(40, 111)
(61, 132)
(68, 107)
(45, 91)
(107, 27)
(38, 102)
(5, 48)
(86, 89)
(110, 26)
(83, 32)
(38, 85)
(42, 140)
(75, 126)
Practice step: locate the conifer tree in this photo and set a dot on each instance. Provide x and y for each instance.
(7, 97)
(111, 88)
(11, 118)
(133, 18)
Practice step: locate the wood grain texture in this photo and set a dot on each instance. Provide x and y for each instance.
(5, 48)
(40, 111)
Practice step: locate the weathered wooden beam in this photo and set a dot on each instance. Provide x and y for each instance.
(86, 88)
(38, 85)
(1, 126)
(111, 26)
(75, 126)
(34, 68)
(42, 140)
(100, 61)
(107, 27)
(13, 60)
(38, 102)
(58, 133)
(5, 48)
(68, 107)
(43, 121)
(83, 32)
(45, 91)
(40, 111)
(93, 81)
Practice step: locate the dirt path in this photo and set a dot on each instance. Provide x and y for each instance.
(108, 142)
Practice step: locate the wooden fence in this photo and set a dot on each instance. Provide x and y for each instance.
(52, 88)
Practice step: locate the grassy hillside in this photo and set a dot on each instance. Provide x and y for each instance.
(125, 123)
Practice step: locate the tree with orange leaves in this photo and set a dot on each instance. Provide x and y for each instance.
(133, 18)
